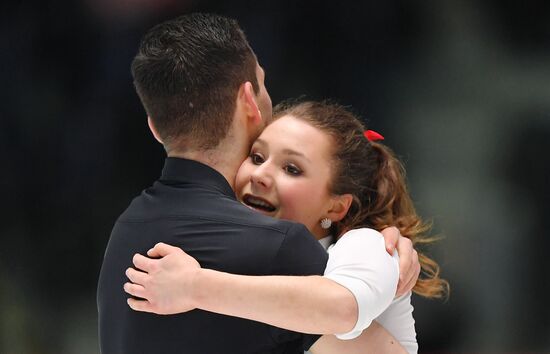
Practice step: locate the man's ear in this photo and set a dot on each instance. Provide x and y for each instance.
(154, 130)
(251, 106)
(340, 206)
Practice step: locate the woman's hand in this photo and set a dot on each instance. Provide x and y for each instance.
(164, 285)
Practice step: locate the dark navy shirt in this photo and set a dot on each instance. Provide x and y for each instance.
(193, 207)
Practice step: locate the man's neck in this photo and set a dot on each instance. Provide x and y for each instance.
(227, 156)
(225, 161)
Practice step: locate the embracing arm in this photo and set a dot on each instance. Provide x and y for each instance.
(282, 301)
(175, 283)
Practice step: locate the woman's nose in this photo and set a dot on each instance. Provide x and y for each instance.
(262, 177)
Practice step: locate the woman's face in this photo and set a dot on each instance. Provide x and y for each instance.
(288, 172)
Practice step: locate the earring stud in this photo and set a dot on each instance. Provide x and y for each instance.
(325, 223)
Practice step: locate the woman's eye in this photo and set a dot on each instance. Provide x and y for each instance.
(293, 170)
(257, 159)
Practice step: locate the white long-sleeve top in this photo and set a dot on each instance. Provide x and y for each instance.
(359, 262)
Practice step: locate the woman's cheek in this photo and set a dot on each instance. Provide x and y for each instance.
(296, 199)
(243, 175)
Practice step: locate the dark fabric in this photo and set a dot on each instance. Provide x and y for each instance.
(192, 206)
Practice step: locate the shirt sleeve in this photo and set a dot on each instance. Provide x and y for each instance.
(399, 321)
(359, 262)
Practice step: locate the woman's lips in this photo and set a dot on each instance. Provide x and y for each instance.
(258, 203)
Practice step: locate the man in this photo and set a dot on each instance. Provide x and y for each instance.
(204, 94)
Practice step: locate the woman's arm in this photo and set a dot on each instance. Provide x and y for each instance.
(175, 283)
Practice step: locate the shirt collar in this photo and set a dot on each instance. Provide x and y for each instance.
(190, 171)
(326, 242)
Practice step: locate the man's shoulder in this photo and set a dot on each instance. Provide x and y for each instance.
(242, 215)
(208, 207)
(229, 229)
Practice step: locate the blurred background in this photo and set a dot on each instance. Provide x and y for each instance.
(460, 89)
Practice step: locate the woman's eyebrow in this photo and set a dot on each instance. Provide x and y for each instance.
(296, 153)
(284, 151)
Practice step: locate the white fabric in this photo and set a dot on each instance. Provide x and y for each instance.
(398, 320)
(359, 262)
(326, 242)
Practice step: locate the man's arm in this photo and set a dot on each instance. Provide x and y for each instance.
(373, 340)
(409, 266)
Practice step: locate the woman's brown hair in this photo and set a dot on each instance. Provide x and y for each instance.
(375, 177)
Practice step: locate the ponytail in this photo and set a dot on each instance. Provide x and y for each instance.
(392, 206)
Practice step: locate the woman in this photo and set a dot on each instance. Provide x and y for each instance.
(315, 165)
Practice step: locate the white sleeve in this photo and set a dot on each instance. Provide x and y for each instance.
(359, 262)
(399, 321)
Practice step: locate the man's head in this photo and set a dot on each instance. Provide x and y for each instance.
(188, 72)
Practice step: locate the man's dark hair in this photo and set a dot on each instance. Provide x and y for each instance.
(187, 73)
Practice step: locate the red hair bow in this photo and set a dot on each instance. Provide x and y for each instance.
(371, 135)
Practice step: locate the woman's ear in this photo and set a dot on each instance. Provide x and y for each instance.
(154, 130)
(340, 206)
